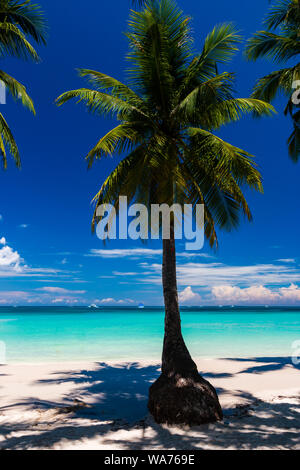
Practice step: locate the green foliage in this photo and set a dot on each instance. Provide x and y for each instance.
(27, 16)
(280, 42)
(174, 102)
(18, 22)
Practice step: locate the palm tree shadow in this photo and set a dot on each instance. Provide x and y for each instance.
(264, 364)
(111, 392)
(117, 399)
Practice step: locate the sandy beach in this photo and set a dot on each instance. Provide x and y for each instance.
(104, 406)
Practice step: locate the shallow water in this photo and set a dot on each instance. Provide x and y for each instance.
(67, 334)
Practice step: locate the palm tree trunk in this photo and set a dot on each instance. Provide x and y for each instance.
(180, 395)
(176, 357)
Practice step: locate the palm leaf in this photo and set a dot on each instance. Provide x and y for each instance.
(273, 46)
(14, 43)
(119, 139)
(7, 139)
(17, 90)
(98, 102)
(25, 15)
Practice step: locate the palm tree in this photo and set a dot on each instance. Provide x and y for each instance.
(280, 42)
(18, 20)
(174, 101)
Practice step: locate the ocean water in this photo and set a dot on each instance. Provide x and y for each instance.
(67, 334)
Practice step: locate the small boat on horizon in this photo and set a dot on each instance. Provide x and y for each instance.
(93, 306)
(141, 306)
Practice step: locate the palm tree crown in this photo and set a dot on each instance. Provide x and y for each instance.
(167, 114)
(280, 42)
(18, 21)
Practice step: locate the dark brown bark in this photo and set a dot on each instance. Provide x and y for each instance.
(180, 395)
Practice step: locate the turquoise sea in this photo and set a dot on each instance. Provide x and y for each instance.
(66, 334)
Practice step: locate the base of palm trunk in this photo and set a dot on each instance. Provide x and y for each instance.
(180, 400)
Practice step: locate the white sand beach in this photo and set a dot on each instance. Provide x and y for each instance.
(104, 406)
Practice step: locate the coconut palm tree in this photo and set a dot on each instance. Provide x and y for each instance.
(167, 113)
(18, 20)
(280, 42)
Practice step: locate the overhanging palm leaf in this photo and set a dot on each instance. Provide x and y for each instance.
(99, 103)
(14, 43)
(283, 12)
(280, 46)
(18, 20)
(219, 47)
(118, 140)
(280, 80)
(17, 90)
(118, 89)
(25, 15)
(7, 140)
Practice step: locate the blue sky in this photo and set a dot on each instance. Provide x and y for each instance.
(47, 252)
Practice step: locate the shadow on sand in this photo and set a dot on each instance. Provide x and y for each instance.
(118, 395)
(262, 365)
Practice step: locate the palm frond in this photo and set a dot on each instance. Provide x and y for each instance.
(268, 87)
(118, 140)
(283, 13)
(17, 90)
(294, 143)
(7, 139)
(227, 158)
(232, 110)
(213, 90)
(116, 88)
(273, 46)
(25, 15)
(14, 43)
(219, 47)
(98, 102)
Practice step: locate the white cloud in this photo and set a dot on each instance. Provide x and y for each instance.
(187, 296)
(13, 297)
(286, 260)
(1, 217)
(42, 296)
(112, 301)
(9, 258)
(207, 275)
(142, 252)
(234, 294)
(291, 293)
(64, 301)
(23, 271)
(193, 254)
(256, 295)
(12, 265)
(60, 290)
(118, 273)
(23, 225)
(124, 253)
(223, 284)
